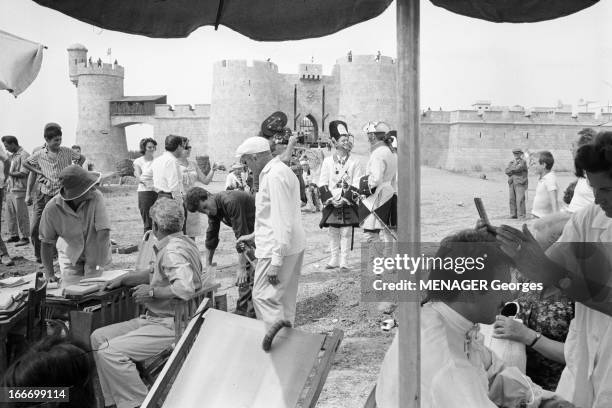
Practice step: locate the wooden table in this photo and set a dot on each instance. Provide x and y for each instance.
(14, 315)
(89, 312)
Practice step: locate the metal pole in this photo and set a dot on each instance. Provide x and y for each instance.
(409, 194)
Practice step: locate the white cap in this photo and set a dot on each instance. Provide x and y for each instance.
(252, 145)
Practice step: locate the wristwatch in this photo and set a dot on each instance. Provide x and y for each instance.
(537, 337)
(151, 293)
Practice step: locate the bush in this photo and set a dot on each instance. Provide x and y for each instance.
(133, 154)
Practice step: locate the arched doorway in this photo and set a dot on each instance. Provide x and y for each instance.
(310, 129)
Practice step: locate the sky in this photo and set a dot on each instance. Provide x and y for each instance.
(462, 60)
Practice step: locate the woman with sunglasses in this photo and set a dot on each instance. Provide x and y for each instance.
(192, 174)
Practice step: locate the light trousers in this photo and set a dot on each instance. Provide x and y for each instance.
(277, 302)
(339, 246)
(17, 214)
(118, 346)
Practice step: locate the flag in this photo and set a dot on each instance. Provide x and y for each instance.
(20, 62)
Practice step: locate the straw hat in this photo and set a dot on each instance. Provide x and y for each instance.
(76, 181)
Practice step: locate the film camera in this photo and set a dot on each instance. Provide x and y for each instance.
(275, 128)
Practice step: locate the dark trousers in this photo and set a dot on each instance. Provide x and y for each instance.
(244, 304)
(146, 199)
(517, 200)
(39, 205)
(3, 250)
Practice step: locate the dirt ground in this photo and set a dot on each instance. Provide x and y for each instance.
(330, 299)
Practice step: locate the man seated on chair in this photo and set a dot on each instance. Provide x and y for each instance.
(457, 369)
(176, 273)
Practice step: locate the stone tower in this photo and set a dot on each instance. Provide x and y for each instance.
(97, 84)
(242, 97)
(368, 90)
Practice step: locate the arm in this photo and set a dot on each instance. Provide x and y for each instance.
(281, 216)
(46, 255)
(324, 175)
(30, 187)
(511, 329)
(285, 156)
(212, 237)
(205, 179)
(552, 196)
(377, 169)
(137, 171)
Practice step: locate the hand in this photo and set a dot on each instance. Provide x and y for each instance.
(509, 329)
(273, 274)
(140, 293)
(52, 278)
(245, 238)
(524, 250)
(338, 203)
(242, 277)
(292, 140)
(114, 285)
(28, 200)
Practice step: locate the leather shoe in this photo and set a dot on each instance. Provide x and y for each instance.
(12, 239)
(22, 242)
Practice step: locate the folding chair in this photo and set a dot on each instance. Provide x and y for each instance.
(219, 362)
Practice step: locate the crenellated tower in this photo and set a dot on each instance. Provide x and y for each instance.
(97, 84)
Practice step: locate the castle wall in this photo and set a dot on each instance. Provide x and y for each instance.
(102, 142)
(367, 93)
(242, 97)
(191, 121)
(485, 142)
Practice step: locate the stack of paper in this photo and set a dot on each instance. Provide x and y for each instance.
(12, 282)
(106, 278)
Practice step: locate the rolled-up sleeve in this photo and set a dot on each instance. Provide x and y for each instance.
(101, 219)
(180, 274)
(47, 231)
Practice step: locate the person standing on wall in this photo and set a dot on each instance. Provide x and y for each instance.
(16, 186)
(47, 164)
(338, 172)
(279, 236)
(144, 173)
(517, 184)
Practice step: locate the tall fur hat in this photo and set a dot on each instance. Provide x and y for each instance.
(337, 128)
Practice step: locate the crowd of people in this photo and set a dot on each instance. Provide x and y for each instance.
(567, 335)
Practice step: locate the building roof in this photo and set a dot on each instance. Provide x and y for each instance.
(77, 46)
(160, 99)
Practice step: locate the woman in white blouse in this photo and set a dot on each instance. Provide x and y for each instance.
(144, 174)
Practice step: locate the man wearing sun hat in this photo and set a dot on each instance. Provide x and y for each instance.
(517, 184)
(279, 235)
(76, 221)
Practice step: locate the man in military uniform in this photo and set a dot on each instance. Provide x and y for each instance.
(517, 183)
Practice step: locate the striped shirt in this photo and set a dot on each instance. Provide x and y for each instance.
(51, 164)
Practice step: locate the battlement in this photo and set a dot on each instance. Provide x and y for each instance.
(313, 72)
(243, 64)
(365, 59)
(182, 111)
(103, 69)
(515, 117)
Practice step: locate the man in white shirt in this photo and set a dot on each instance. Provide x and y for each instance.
(457, 369)
(167, 178)
(279, 235)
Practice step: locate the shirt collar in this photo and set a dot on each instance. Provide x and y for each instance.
(161, 244)
(601, 221)
(61, 203)
(268, 165)
(454, 319)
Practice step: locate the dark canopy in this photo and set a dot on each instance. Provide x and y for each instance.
(262, 20)
(514, 11)
(279, 20)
